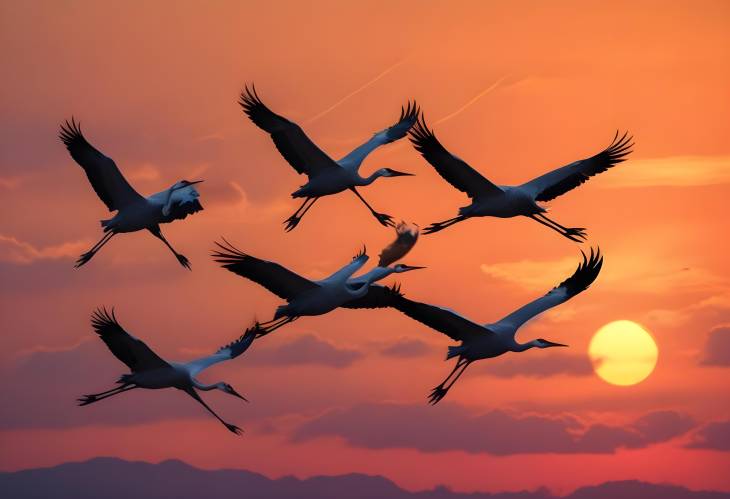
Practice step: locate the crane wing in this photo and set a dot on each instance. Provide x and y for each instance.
(377, 297)
(353, 266)
(274, 277)
(185, 202)
(408, 117)
(291, 141)
(582, 278)
(452, 169)
(443, 320)
(104, 176)
(566, 178)
(227, 352)
(125, 347)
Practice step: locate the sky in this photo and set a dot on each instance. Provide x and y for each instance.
(513, 88)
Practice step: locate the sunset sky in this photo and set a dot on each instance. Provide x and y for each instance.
(155, 85)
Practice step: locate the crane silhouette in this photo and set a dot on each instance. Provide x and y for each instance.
(152, 372)
(306, 297)
(503, 201)
(326, 176)
(134, 212)
(492, 340)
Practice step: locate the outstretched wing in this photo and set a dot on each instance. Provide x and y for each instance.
(452, 169)
(408, 117)
(291, 141)
(566, 178)
(125, 347)
(377, 297)
(185, 201)
(344, 273)
(443, 320)
(106, 179)
(227, 352)
(277, 279)
(405, 240)
(584, 275)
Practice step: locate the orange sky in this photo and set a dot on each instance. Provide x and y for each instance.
(155, 87)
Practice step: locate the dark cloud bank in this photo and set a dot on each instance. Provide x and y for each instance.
(451, 427)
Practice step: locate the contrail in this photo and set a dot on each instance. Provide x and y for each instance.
(354, 92)
(472, 101)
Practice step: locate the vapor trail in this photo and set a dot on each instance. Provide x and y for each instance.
(357, 91)
(473, 100)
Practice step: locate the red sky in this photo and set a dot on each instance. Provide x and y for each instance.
(155, 87)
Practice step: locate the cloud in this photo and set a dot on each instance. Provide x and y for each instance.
(10, 182)
(453, 428)
(717, 347)
(715, 436)
(538, 366)
(677, 171)
(305, 349)
(405, 348)
(143, 173)
(14, 250)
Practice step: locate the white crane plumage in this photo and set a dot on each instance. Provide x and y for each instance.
(505, 201)
(491, 340)
(134, 212)
(306, 297)
(152, 372)
(326, 176)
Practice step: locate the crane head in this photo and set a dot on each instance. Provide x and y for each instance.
(388, 172)
(401, 267)
(185, 183)
(229, 389)
(542, 343)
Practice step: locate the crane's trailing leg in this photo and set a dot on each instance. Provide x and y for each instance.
(96, 397)
(294, 220)
(441, 390)
(87, 256)
(180, 258)
(577, 234)
(232, 428)
(384, 219)
(272, 325)
(437, 226)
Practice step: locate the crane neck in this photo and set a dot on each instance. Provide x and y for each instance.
(206, 388)
(521, 347)
(375, 275)
(360, 180)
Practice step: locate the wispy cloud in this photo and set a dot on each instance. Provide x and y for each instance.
(356, 91)
(472, 100)
(16, 251)
(676, 171)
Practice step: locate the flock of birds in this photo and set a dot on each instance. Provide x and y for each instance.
(305, 297)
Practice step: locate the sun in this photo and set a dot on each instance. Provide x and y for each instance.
(623, 353)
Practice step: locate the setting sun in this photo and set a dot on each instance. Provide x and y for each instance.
(623, 353)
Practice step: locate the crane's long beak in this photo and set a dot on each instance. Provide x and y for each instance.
(411, 267)
(196, 182)
(553, 344)
(236, 394)
(394, 173)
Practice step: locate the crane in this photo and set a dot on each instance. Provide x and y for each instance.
(326, 176)
(304, 297)
(152, 372)
(492, 340)
(134, 212)
(503, 201)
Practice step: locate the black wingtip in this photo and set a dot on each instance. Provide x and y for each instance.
(585, 274)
